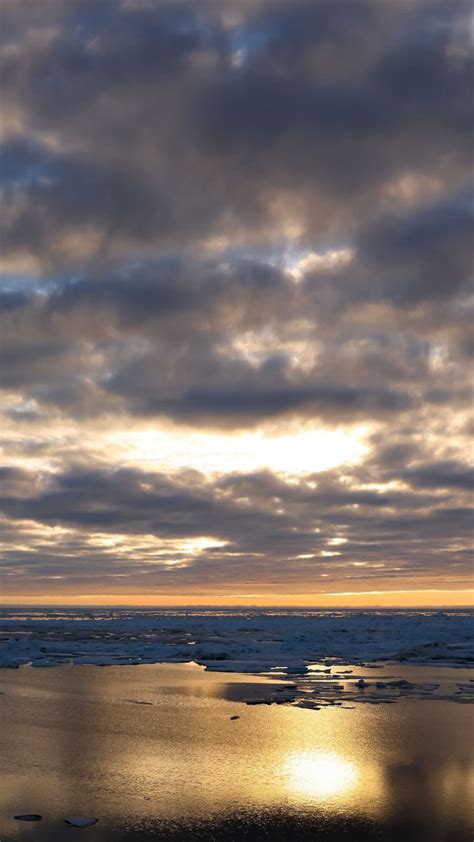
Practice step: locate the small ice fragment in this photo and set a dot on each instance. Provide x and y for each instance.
(235, 717)
(80, 821)
(401, 682)
(138, 702)
(28, 817)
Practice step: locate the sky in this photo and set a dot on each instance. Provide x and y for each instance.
(235, 303)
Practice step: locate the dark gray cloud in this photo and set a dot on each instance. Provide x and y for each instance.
(428, 253)
(49, 193)
(441, 475)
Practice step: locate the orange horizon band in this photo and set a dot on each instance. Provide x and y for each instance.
(397, 599)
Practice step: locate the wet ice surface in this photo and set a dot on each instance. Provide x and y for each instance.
(340, 658)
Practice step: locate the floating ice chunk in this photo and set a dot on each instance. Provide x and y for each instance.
(306, 705)
(138, 702)
(80, 821)
(28, 817)
(258, 702)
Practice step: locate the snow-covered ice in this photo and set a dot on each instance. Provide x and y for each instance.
(302, 646)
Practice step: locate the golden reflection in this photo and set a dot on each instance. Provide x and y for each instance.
(320, 775)
(180, 757)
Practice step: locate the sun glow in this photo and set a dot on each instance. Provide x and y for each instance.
(320, 775)
(291, 452)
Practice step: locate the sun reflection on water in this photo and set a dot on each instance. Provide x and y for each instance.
(181, 756)
(319, 775)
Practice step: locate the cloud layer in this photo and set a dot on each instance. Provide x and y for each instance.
(233, 219)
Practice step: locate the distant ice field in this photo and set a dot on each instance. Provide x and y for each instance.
(326, 656)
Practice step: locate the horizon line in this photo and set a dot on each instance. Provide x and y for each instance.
(215, 605)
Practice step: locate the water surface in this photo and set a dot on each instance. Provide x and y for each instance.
(81, 740)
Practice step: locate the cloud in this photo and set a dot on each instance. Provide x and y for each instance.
(150, 527)
(441, 475)
(160, 136)
(232, 219)
(428, 251)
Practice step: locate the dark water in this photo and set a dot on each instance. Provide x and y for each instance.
(74, 741)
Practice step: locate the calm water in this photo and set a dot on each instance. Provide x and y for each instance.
(73, 742)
